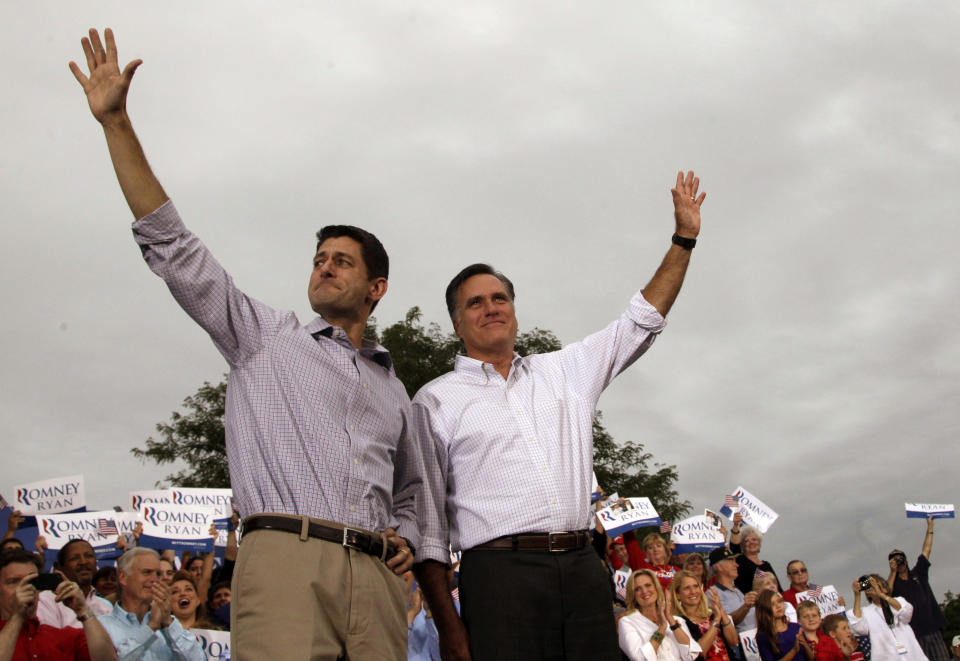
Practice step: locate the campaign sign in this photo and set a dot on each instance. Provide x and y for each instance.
(97, 528)
(620, 578)
(923, 511)
(748, 640)
(698, 533)
(140, 498)
(219, 499)
(56, 496)
(629, 514)
(176, 527)
(827, 598)
(215, 644)
(753, 510)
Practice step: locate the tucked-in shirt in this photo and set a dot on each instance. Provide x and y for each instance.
(41, 641)
(515, 455)
(134, 639)
(54, 613)
(313, 425)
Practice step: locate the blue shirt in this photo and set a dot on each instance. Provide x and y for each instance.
(136, 640)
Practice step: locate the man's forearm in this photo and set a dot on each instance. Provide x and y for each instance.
(432, 578)
(928, 540)
(9, 635)
(98, 641)
(665, 284)
(738, 615)
(140, 186)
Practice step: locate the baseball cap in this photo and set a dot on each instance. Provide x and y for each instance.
(721, 554)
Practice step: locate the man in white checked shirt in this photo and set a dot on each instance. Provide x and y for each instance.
(322, 462)
(507, 443)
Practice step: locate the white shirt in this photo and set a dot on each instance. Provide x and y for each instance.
(50, 611)
(884, 638)
(515, 455)
(634, 631)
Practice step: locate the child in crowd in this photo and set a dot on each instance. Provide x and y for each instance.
(838, 629)
(817, 644)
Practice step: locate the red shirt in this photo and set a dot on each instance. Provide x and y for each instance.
(791, 595)
(41, 641)
(826, 648)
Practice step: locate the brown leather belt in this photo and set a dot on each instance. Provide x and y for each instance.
(538, 541)
(350, 538)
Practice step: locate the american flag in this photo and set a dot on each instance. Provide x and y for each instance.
(815, 591)
(665, 527)
(731, 501)
(107, 527)
(760, 574)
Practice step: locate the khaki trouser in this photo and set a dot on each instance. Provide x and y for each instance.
(296, 597)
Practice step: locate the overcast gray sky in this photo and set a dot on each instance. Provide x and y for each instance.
(812, 355)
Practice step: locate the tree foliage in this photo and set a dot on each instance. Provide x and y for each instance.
(420, 354)
(196, 438)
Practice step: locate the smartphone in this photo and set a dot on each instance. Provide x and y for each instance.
(46, 581)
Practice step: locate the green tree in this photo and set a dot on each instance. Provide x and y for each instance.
(420, 354)
(196, 438)
(951, 609)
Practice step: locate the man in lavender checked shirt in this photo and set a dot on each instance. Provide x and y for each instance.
(322, 460)
(508, 448)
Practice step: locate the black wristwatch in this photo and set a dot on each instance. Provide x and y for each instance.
(683, 242)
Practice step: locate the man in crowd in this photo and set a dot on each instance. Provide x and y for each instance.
(508, 444)
(955, 647)
(140, 624)
(78, 562)
(23, 637)
(914, 586)
(799, 580)
(737, 605)
(317, 428)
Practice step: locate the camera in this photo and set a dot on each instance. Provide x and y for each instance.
(864, 582)
(900, 560)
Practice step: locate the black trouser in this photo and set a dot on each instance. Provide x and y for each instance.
(538, 605)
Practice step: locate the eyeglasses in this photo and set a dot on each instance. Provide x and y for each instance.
(794, 572)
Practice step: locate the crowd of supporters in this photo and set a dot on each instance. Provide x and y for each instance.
(728, 605)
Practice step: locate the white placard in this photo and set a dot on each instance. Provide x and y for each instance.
(215, 644)
(828, 599)
(53, 496)
(753, 510)
(698, 533)
(924, 510)
(628, 514)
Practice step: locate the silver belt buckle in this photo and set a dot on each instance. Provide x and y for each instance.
(351, 539)
(551, 538)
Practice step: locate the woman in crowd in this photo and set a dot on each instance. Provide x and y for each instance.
(655, 550)
(886, 620)
(747, 543)
(105, 583)
(648, 630)
(695, 564)
(709, 626)
(777, 639)
(185, 604)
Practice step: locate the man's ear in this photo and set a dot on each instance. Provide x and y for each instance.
(377, 290)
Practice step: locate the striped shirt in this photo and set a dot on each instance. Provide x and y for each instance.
(314, 426)
(515, 455)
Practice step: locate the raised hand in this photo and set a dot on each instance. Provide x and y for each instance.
(160, 607)
(106, 87)
(70, 595)
(686, 205)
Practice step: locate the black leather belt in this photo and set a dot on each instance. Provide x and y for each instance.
(350, 538)
(538, 541)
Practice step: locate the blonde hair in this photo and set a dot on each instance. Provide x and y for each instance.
(699, 612)
(632, 589)
(653, 538)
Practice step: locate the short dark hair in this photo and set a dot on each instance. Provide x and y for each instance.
(14, 556)
(62, 553)
(474, 269)
(831, 622)
(374, 254)
(10, 542)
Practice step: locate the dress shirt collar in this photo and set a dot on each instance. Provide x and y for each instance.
(370, 349)
(127, 616)
(483, 372)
